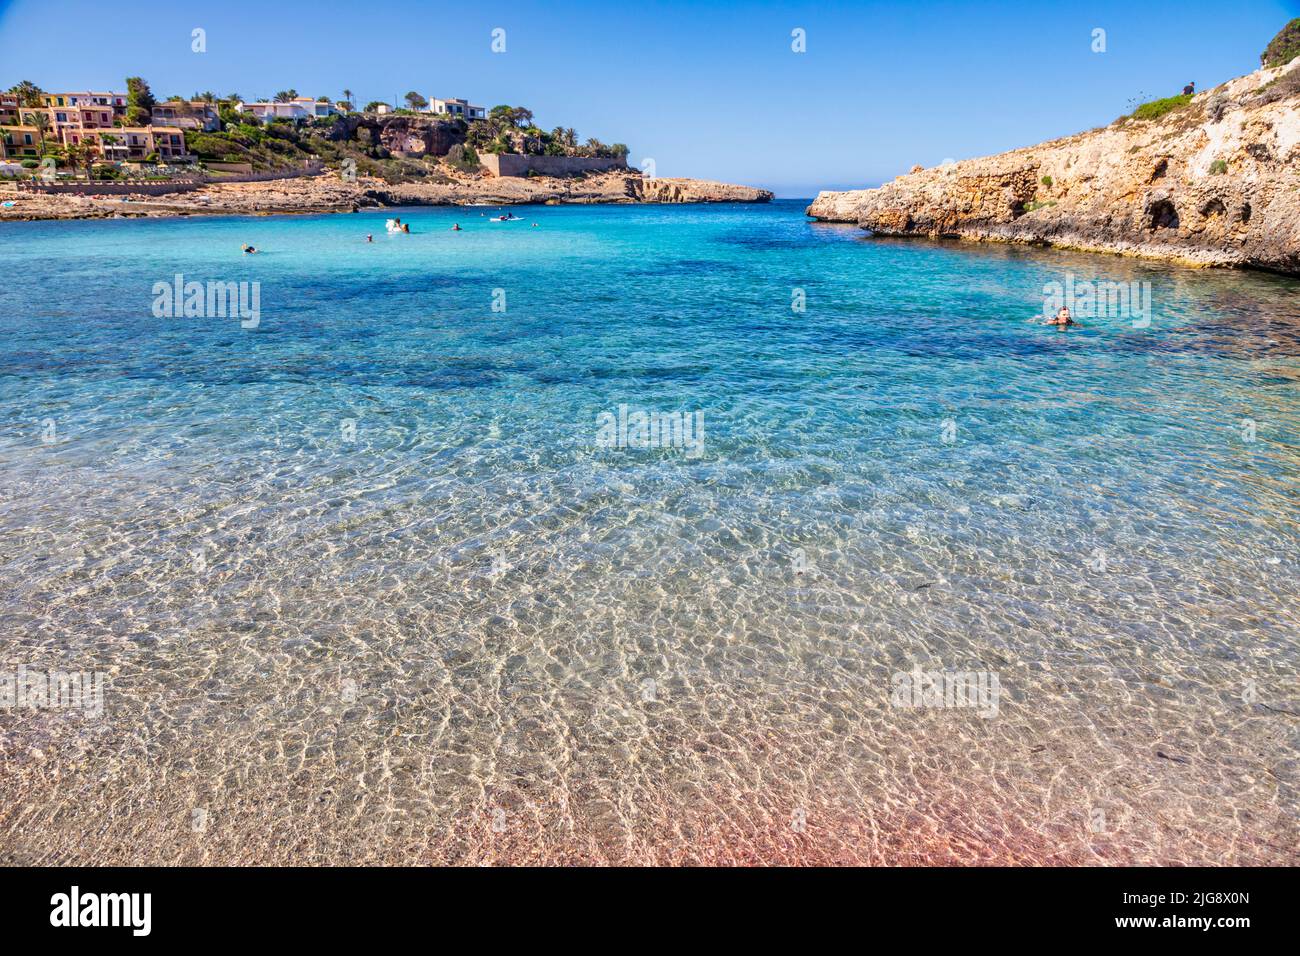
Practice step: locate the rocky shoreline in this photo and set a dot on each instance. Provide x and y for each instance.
(330, 193)
(1213, 183)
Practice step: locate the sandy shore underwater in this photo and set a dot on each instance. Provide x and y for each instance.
(365, 583)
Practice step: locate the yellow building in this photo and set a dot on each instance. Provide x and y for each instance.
(20, 142)
(76, 119)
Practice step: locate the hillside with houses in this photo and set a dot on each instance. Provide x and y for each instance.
(130, 134)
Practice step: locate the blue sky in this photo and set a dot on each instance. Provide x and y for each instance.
(706, 89)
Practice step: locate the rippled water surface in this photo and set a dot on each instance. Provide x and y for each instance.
(365, 586)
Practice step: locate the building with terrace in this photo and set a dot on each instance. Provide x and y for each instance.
(298, 108)
(197, 115)
(461, 109)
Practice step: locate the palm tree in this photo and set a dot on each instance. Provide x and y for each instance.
(28, 93)
(347, 98)
(42, 123)
(80, 154)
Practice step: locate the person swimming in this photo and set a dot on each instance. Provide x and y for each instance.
(1062, 318)
(456, 228)
(369, 237)
(247, 249)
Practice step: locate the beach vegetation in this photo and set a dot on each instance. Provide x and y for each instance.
(1037, 204)
(1284, 47)
(1155, 109)
(1047, 181)
(1280, 87)
(415, 101)
(1218, 167)
(463, 158)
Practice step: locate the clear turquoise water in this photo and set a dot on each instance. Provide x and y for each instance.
(466, 632)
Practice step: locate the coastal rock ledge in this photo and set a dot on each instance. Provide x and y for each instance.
(331, 193)
(1213, 182)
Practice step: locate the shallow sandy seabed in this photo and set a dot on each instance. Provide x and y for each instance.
(467, 634)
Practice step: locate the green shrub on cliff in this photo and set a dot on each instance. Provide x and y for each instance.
(463, 158)
(1158, 108)
(1218, 167)
(1284, 47)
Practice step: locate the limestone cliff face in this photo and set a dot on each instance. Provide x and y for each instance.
(615, 186)
(401, 134)
(333, 193)
(660, 190)
(1216, 182)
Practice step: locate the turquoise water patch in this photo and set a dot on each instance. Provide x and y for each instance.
(371, 568)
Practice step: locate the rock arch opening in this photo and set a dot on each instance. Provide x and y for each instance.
(1162, 214)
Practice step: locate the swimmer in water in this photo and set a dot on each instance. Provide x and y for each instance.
(369, 237)
(247, 249)
(456, 228)
(1062, 319)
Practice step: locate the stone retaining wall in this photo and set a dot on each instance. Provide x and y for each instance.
(114, 187)
(513, 164)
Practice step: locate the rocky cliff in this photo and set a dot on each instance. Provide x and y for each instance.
(333, 193)
(1214, 181)
(660, 190)
(615, 186)
(400, 134)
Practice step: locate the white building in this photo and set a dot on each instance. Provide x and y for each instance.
(298, 108)
(462, 109)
